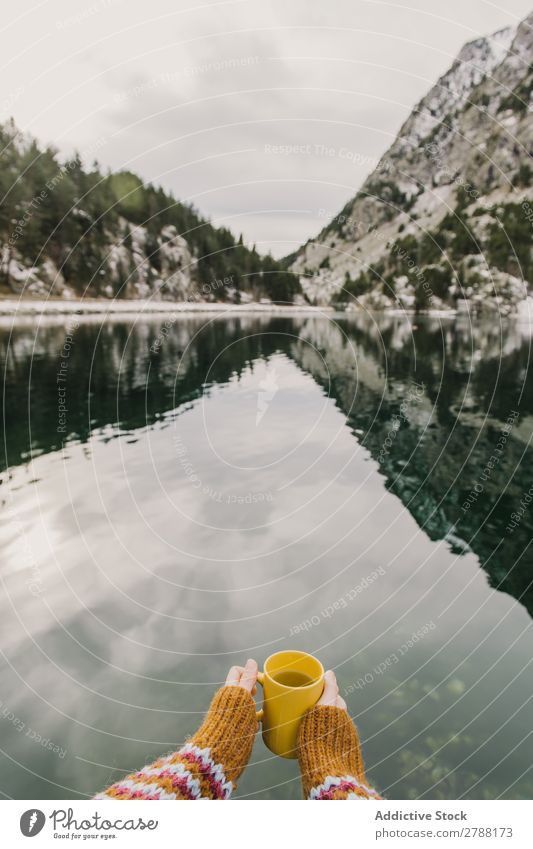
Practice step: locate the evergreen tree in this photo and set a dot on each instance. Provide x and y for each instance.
(52, 209)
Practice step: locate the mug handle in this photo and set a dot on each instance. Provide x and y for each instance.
(259, 713)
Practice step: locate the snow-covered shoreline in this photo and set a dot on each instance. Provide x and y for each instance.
(34, 307)
(27, 308)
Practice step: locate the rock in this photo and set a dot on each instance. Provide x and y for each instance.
(452, 170)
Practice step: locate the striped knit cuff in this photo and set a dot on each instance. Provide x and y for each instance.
(343, 787)
(330, 756)
(189, 774)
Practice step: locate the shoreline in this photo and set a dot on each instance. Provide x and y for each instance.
(32, 308)
(27, 307)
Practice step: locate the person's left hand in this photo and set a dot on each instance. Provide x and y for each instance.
(243, 676)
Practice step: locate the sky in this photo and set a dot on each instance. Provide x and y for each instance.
(267, 115)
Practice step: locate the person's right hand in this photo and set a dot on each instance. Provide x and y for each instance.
(330, 696)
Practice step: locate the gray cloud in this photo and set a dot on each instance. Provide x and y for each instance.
(261, 113)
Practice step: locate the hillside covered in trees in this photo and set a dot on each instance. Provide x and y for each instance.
(67, 230)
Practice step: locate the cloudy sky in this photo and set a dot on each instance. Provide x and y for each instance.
(266, 114)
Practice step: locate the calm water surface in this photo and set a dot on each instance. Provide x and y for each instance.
(219, 488)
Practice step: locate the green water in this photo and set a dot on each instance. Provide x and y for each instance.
(209, 489)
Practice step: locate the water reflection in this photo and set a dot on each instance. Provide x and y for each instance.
(228, 487)
(473, 379)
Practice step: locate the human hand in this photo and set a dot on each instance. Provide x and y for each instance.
(330, 696)
(244, 676)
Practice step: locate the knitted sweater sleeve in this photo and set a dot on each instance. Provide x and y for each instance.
(208, 766)
(330, 756)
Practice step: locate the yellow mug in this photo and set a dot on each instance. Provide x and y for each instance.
(292, 682)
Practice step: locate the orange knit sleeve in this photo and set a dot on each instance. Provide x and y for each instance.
(330, 756)
(208, 766)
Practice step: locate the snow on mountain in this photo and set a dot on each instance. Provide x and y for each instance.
(476, 60)
(445, 218)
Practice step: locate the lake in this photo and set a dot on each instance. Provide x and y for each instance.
(180, 493)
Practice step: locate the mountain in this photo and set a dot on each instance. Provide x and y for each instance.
(447, 215)
(68, 231)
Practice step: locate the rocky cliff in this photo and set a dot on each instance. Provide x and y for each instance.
(446, 217)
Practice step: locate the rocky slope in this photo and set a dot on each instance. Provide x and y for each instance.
(447, 215)
(68, 231)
